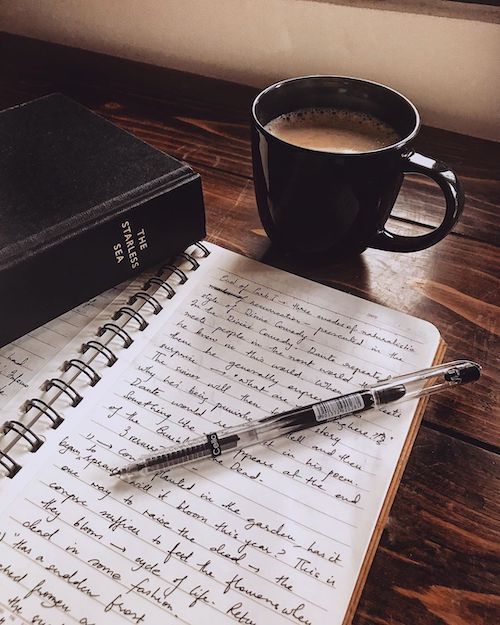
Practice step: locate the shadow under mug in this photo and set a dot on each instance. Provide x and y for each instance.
(318, 203)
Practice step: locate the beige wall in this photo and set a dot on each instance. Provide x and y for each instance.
(448, 67)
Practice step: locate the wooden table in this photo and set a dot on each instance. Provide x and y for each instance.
(438, 560)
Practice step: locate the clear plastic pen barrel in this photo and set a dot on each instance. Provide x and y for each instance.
(431, 380)
(230, 439)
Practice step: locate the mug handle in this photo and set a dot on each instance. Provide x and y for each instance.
(415, 163)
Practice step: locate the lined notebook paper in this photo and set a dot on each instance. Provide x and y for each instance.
(23, 359)
(276, 533)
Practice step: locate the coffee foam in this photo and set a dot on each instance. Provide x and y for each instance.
(333, 129)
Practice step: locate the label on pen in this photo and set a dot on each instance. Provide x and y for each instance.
(338, 407)
(213, 441)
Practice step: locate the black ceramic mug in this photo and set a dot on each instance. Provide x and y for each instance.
(319, 203)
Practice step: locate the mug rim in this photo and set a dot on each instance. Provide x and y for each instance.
(393, 146)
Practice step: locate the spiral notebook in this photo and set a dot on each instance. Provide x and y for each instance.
(277, 533)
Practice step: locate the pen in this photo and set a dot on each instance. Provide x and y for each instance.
(401, 388)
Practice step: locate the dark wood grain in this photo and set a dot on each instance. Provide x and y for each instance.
(438, 562)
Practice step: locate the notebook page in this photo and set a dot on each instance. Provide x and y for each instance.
(274, 533)
(21, 360)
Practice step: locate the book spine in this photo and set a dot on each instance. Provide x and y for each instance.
(42, 286)
(96, 352)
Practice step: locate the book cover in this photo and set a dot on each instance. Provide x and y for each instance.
(84, 206)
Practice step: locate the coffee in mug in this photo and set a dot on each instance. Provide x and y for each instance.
(329, 156)
(333, 130)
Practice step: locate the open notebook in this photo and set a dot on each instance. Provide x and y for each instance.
(23, 359)
(278, 533)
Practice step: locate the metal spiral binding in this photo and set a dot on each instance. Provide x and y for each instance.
(162, 284)
(43, 407)
(178, 272)
(75, 396)
(117, 331)
(147, 297)
(33, 439)
(204, 249)
(85, 368)
(13, 467)
(91, 350)
(133, 314)
(191, 259)
(102, 349)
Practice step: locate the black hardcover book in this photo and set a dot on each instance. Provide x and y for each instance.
(84, 206)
